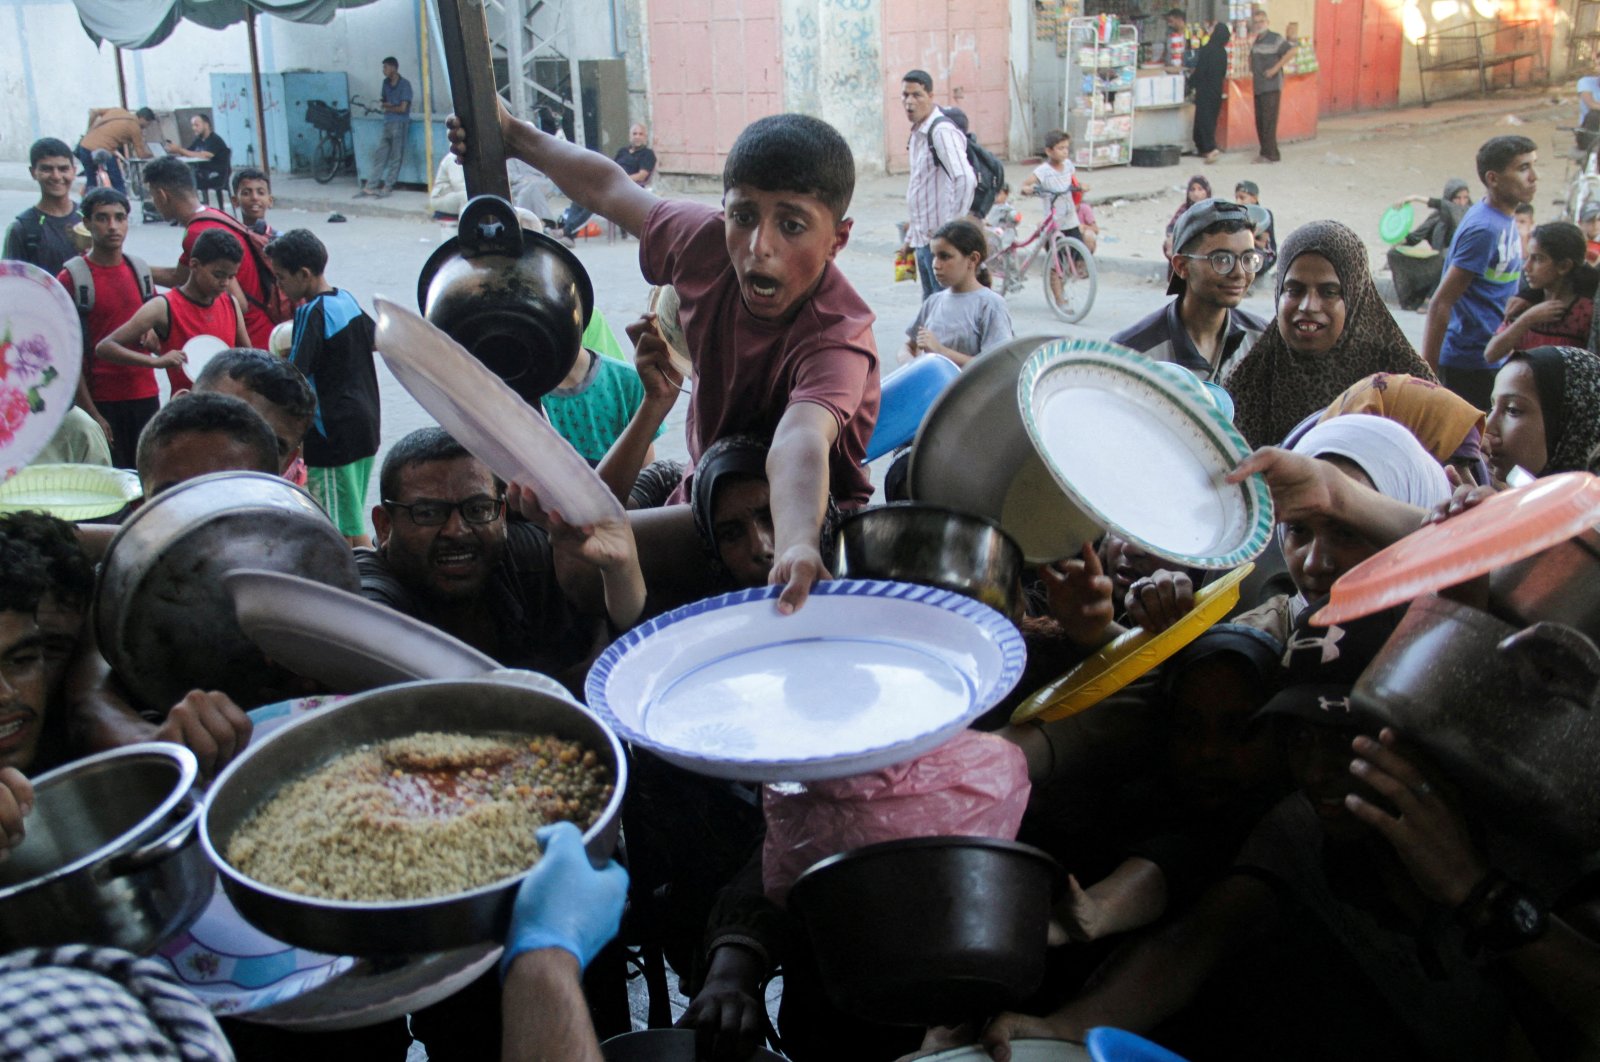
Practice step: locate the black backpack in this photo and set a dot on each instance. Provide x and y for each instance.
(991, 175)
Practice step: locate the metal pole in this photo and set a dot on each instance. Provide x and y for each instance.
(574, 76)
(255, 87)
(122, 79)
(515, 13)
(427, 90)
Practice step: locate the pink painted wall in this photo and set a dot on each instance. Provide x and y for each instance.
(966, 46)
(714, 68)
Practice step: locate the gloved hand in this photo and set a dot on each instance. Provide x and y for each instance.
(565, 902)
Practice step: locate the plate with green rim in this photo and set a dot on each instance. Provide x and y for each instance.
(1143, 455)
(1395, 225)
(69, 492)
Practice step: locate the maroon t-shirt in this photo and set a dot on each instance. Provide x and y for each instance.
(749, 371)
(116, 300)
(256, 322)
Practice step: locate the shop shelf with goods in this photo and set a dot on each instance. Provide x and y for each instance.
(1102, 61)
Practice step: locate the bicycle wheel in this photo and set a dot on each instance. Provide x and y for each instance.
(328, 160)
(1002, 269)
(1070, 279)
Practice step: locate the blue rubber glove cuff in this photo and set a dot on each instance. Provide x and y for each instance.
(565, 902)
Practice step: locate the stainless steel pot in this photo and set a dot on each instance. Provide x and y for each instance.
(457, 920)
(1511, 715)
(914, 542)
(165, 622)
(110, 855)
(517, 300)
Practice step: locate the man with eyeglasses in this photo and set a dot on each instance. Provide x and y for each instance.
(447, 555)
(1214, 262)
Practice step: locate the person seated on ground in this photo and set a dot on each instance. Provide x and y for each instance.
(275, 389)
(211, 173)
(1215, 262)
(202, 306)
(1331, 329)
(527, 596)
(1442, 421)
(1559, 309)
(1375, 452)
(1417, 264)
(332, 347)
(764, 312)
(1366, 892)
(252, 196)
(966, 316)
(636, 160)
(1546, 414)
(1249, 193)
(448, 196)
(191, 436)
(42, 234)
(1196, 191)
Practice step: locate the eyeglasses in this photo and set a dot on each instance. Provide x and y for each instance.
(479, 509)
(1222, 262)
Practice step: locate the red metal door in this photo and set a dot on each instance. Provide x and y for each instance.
(966, 46)
(1358, 52)
(1381, 40)
(714, 68)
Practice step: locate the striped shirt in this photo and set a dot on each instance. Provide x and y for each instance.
(937, 193)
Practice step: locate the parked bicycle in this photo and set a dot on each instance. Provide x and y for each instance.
(1071, 277)
(1583, 172)
(335, 150)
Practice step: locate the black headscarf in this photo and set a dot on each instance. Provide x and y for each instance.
(1211, 63)
(1568, 382)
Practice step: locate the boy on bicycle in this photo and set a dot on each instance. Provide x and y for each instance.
(1056, 176)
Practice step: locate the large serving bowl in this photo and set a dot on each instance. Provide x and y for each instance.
(440, 923)
(165, 621)
(110, 856)
(911, 542)
(931, 930)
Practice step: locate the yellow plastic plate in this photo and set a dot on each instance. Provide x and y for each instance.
(1133, 654)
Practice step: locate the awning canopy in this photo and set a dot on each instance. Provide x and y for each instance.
(146, 23)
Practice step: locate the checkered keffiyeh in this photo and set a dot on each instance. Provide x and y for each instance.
(87, 1003)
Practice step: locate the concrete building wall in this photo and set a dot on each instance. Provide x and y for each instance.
(832, 65)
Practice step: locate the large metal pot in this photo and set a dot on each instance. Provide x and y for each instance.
(931, 930)
(1558, 585)
(457, 920)
(913, 542)
(110, 856)
(1512, 715)
(517, 300)
(165, 622)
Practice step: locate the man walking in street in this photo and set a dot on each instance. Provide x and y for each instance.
(109, 287)
(1269, 54)
(120, 132)
(396, 123)
(42, 234)
(942, 180)
(1481, 271)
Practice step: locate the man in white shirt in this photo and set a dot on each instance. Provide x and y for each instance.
(942, 180)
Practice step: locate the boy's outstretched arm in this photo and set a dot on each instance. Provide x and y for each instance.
(586, 177)
(797, 472)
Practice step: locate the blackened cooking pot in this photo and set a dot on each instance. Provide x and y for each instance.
(914, 542)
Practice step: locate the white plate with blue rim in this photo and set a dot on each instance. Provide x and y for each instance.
(867, 674)
(238, 971)
(1143, 454)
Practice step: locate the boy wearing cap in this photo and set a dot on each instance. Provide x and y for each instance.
(1214, 262)
(1249, 193)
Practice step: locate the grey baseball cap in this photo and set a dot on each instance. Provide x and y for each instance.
(1199, 218)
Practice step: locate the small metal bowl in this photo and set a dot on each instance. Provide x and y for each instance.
(914, 542)
(437, 923)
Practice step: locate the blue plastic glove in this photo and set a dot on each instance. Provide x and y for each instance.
(564, 902)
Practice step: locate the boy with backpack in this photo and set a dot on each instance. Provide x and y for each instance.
(42, 234)
(332, 348)
(781, 342)
(252, 194)
(202, 306)
(171, 188)
(108, 287)
(942, 177)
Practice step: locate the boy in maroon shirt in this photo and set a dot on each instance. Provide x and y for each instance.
(782, 344)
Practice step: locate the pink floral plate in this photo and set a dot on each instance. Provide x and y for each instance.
(41, 356)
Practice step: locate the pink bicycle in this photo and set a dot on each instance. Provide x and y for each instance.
(1070, 275)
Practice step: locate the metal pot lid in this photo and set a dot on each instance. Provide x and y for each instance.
(1511, 526)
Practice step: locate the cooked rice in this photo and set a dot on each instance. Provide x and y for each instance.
(419, 816)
